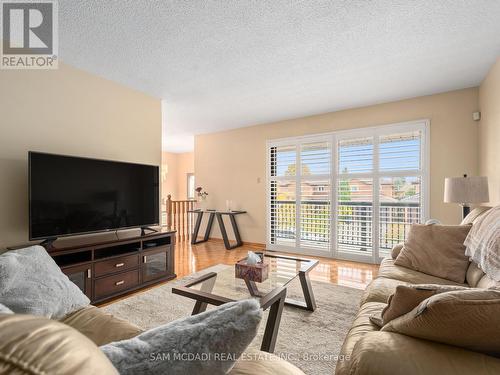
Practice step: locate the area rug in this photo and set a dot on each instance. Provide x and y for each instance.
(309, 340)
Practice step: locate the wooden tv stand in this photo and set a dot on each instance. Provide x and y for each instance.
(106, 270)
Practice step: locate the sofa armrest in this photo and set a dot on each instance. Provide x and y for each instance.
(396, 249)
(100, 326)
(381, 353)
(263, 363)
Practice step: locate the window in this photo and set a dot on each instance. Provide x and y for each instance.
(350, 194)
(190, 186)
(299, 193)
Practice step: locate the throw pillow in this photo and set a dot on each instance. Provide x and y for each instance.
(406, 298)
(40, 346)
(207, 343)
(436, 250)
(32, 283)
(467, 318)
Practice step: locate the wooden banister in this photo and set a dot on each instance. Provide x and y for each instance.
(178, 217)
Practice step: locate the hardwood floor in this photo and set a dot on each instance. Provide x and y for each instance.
(192, 258)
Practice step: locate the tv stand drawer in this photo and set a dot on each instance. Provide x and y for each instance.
(110, 266)
(107, 286)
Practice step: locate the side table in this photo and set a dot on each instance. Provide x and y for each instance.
(219, 214)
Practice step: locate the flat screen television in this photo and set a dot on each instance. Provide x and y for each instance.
(72, 195)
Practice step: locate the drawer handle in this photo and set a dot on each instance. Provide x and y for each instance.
(145, 259)
(117, 265)
(120, 282)
(89, 274)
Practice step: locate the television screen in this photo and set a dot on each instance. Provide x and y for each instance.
(72, 195)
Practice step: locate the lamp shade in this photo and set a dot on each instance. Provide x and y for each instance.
(466, 189)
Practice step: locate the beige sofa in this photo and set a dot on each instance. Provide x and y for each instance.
(103, 328)
(38, 346)
(367, 350)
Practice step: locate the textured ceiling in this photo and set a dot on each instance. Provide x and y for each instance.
(226, 64)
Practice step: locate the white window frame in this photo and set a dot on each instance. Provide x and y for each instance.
(333, 138)
(298, 142)
(190, 193)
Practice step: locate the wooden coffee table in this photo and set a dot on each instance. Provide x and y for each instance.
(223, 287)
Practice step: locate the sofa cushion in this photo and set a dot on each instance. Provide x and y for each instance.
(384, 353)
(390, 270)
(467, 318)
(263, 363)
(436, 250)
(40, 346)
(32, 283)
(101, 327)
(360, 327)
(380, 289)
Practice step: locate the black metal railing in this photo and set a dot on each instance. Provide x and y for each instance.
(354, 222)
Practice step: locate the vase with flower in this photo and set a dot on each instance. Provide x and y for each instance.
(202, 197)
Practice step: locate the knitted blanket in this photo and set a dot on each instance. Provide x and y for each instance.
(483, 243)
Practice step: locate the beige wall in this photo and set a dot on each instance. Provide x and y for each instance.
(489, 131)
(185, 165)
(175, 168)
(67, 111)
(168, 175)
(232, 164)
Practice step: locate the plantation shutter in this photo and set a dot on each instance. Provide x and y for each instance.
(355, 196)
(300, 195)
(359, 190)
(282, 199)
(400, 187)
(315, 195)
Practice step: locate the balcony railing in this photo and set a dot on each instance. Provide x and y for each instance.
(354, 223)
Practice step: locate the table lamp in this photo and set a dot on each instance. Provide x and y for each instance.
(465, 190)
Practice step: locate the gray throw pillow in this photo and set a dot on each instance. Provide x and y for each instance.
(207, 343)
(5, 310)
(32, 283)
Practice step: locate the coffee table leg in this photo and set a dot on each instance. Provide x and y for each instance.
(309, 301)
(274, 300)
(273, 319)
(305, 282)
(206, 286)
(252, 288)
